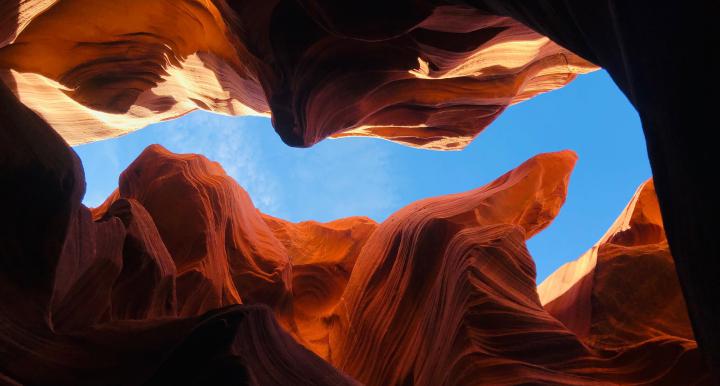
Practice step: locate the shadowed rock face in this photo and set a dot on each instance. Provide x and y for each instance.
(608, 296)
(435, 80)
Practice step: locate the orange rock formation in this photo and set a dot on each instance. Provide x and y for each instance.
(96, 70)
(442, 292)
(223, 250)
(450, 270)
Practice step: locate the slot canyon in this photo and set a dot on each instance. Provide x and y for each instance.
(177, 277)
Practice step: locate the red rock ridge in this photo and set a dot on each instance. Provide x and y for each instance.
(446, 281)
(442, 292)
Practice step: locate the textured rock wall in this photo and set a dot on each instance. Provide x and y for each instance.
(223, 250)
(444, 293)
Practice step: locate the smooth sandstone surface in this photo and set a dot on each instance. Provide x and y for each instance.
(96, 70)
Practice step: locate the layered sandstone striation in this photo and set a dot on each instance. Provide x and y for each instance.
(443, 291)
(226, 252)
(458, 289)
(323, 256)
(422, 74)
(223, 251)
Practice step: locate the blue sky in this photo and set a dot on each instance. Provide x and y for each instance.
(374, 178)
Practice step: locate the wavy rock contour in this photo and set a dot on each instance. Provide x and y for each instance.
(434, 80)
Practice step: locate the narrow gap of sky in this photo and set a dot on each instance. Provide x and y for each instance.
(374, 178)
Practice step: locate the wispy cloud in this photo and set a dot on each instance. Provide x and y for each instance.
(344, 177)
(336, 178)
(333, 179)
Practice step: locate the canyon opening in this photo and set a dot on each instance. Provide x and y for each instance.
(302, 192)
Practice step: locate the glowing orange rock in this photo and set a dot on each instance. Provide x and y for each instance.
(443, 292)
(608, 296)
(97, 70)
(323, 256)
(447, 281)
(223, 250)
